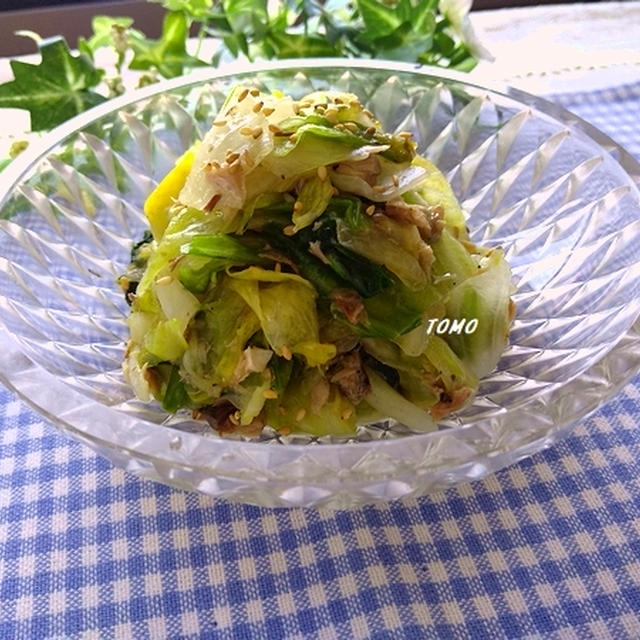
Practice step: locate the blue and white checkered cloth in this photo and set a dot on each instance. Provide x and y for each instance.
(548, 548)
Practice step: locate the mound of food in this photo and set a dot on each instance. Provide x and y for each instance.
(309, 271)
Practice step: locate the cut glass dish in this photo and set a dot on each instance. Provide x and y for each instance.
(559, 196)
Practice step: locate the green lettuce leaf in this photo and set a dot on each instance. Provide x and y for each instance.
(313, 200)
(452, 258)
(313, 146)
(381, 248)
(218, 336)
(486, 298)
(249, 397)
(285, 306)
(436, 191)
(166, 341)
(389, 402)
(292, 411)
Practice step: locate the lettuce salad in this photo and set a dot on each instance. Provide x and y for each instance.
(309, 271)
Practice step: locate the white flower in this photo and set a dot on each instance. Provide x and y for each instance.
(457, 13)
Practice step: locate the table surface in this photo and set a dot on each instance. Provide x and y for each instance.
(547, 548)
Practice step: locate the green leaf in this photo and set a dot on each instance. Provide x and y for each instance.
(444, 42)
(466, 64)
(168, 54)
(236, 43)
(248, 17)
(56, 89)
(217, 25)
(406, 43)
(288, 45)
(175, 396)
(379, 19)
(406, 10)
(423, 19)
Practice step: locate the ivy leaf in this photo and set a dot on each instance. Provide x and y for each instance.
(168, 54)
(56, 89)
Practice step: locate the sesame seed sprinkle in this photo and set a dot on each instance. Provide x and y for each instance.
(331, 115)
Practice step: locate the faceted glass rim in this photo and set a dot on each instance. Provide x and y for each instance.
(35, 152)
(623, 356)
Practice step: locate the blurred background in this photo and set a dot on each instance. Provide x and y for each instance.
(72, 18)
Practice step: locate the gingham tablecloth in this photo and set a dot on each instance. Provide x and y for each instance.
(548, 548)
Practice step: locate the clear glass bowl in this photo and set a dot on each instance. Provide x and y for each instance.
(558, 195)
